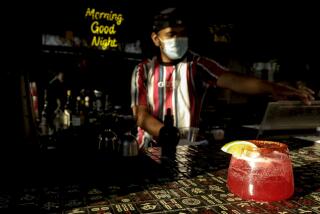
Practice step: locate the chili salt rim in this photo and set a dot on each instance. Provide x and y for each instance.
(266, 146)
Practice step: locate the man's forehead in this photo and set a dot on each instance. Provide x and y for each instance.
(176, 29)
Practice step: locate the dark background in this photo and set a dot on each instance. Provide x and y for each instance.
(288, 33)
(268, 31)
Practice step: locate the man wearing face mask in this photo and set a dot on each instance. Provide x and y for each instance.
(178, 79)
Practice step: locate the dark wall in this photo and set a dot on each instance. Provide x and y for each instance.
(288, 33)
(267, 34)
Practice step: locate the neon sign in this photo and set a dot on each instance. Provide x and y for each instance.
(104, 27)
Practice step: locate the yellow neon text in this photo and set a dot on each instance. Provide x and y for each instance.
(104, 43)
(102, 29)
(109, 16)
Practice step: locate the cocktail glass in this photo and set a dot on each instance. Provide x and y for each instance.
(263, 173)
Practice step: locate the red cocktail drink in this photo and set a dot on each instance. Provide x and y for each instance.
(263, 173)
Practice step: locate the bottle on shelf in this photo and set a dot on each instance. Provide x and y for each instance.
(58, 117)
(47, 138)
(67, 112)
(44, 127)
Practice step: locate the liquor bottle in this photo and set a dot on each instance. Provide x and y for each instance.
(46, 130)
(58, 117)
(86, 109)
(77, 118)
(107, 103)
(98, 101)
(67, 111)
(44, 127)
(69, 103)
(169, 136)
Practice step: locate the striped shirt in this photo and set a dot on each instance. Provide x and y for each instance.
(181, 87)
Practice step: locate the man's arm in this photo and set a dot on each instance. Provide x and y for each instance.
(251, 85)
(146, 121)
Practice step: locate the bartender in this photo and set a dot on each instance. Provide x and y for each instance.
(177, 78)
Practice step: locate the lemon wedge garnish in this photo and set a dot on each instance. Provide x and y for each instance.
(238, 147)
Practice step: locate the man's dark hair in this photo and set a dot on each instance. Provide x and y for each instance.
(170, 17)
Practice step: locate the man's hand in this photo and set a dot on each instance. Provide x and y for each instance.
(284, 92)
(146, 121)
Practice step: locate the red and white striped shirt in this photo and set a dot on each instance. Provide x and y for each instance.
(181, 87)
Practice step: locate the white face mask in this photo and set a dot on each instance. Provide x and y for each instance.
(176, 47)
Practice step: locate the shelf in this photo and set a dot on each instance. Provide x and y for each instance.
(84, 51)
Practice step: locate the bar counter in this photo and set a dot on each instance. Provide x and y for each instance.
(194, 181)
